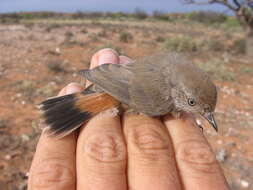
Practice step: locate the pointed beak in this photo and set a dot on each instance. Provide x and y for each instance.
(211, 120)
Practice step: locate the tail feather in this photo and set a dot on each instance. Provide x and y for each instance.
(66, 113)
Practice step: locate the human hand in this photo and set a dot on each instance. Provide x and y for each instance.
(136, 152)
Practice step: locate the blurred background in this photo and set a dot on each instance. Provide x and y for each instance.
(44, 43)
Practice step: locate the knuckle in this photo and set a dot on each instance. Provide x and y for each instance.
(149, 141)
(198, 155)
(105, 148)
(52, 173)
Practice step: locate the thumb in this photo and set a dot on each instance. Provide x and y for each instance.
(104, 56)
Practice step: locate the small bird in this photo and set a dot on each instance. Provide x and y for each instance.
(154, 85)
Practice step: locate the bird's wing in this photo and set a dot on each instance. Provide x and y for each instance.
(113, 79)
(151, 96)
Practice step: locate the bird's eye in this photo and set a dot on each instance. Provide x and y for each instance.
(191, 102)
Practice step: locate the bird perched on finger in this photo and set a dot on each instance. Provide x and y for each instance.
(154, 85)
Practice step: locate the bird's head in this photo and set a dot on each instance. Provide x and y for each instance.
(197, 95)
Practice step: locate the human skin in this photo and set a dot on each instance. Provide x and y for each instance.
(132, 152)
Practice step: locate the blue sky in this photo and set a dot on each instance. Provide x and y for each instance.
(101, 5)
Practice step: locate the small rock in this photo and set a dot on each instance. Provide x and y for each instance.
(7, 157)
(219, 142)
(231, 144)
(57, 51)
(231, 132)
(244, 183)
(221, 155)
(25, 137)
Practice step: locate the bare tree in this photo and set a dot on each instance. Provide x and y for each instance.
(243, 10)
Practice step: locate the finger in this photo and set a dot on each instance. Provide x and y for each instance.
(196, 161)
(124, 59)
(103, 56)
(101, 155)
(101, 152)
(53, 166)
(151, 163)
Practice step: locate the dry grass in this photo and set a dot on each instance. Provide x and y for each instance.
(218, 70)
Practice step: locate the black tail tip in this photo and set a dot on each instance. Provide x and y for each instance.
(62, 116)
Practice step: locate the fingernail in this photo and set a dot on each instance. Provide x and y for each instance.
(73, 88)
(107, 56)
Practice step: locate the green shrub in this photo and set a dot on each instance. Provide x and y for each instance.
(117, 15)
(9, 21)
(52, 26)
(26, 87)
(78, 15)
(69, 34)
(47, 91)
(56, 66)
(125, 37)
(160, 39)
(239, 46)
(181, 44)
(213, 44)
(10, 18)
(216, 45)
(116, 48)
(93, 37)
(232, 22)
(217, 69)
(161, 16)
(140, 14)
(209, 17)
(247, 70)
(28, 16)
(102, 33)
(84, 31)
(83, 15)
(29, 25)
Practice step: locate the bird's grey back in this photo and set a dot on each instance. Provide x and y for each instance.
(146, 84)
